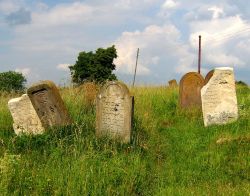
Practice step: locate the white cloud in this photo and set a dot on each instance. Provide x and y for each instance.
(219, 36)
(73, 27)
(166, 32)
(223, 59)
(63, 14)
(170, 4)
(24, 71)
(243, 46)
(8, 6)
(217, 12)
(160, 48)
(64, 67)
(155, 60)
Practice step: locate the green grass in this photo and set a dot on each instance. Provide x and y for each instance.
(172, 152)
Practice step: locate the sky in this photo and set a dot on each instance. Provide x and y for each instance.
(41, 38)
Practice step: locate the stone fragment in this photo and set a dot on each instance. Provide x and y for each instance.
(26, 120)
(48, 104)
(219, 101)
(114, 111)
(189, 90)
(172, 83)
(208, 76)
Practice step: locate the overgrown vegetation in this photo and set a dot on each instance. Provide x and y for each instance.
(94, 67)
(12, 81)
(171, 154)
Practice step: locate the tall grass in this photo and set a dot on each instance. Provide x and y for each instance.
(172, 153)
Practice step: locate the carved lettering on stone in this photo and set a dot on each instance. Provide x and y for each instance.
(189, 90)
(219, 101)
(24, 116)
(48, 104)
(114, 111)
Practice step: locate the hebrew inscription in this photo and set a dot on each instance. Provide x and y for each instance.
(48, 104)
(219, 102)
(113, 115)
(46, 110)
(114, 111)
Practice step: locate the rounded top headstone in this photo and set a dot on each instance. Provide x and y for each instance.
(189, 90)
(114, 110)
(208, 76)
(172, 83)
(114, 88)
(40, 85)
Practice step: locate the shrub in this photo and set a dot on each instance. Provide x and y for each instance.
(12, 81)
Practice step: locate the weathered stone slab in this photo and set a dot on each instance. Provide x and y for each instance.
(172, 83)
(189, 90)
(90, 92)
(219, 101)
(208, 76)
(114, 111)
(50, 108)
(25, 118)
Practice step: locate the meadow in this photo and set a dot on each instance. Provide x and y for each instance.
(171, 153)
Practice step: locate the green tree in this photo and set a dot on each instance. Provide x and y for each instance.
(12, 81)
(95, 67)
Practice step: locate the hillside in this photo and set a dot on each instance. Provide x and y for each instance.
(172, 153)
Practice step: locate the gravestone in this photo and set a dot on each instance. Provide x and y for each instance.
(208, 76)
(172, 83)
(90, 92)
(189, 90)
(219, 101)
(24, 116)
(50, 108)
(114, 111)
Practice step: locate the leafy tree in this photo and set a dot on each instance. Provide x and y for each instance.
(12, 81)
(95, 67)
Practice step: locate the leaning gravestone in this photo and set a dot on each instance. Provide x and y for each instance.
(48, 104)
(172, 83)
(219, 101)
(114, 111)
(24, 116)
(208, 76)
(189, 90)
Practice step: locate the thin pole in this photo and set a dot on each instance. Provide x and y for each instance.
(199, 58)
(137, 55)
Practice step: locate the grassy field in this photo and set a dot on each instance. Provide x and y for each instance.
(171, 153)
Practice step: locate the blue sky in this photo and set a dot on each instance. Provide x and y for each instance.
(41, 38)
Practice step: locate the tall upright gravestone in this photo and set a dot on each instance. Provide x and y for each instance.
(189, 90)
(26, 120)
(48, 104)
(219, 101)
(114, 111)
